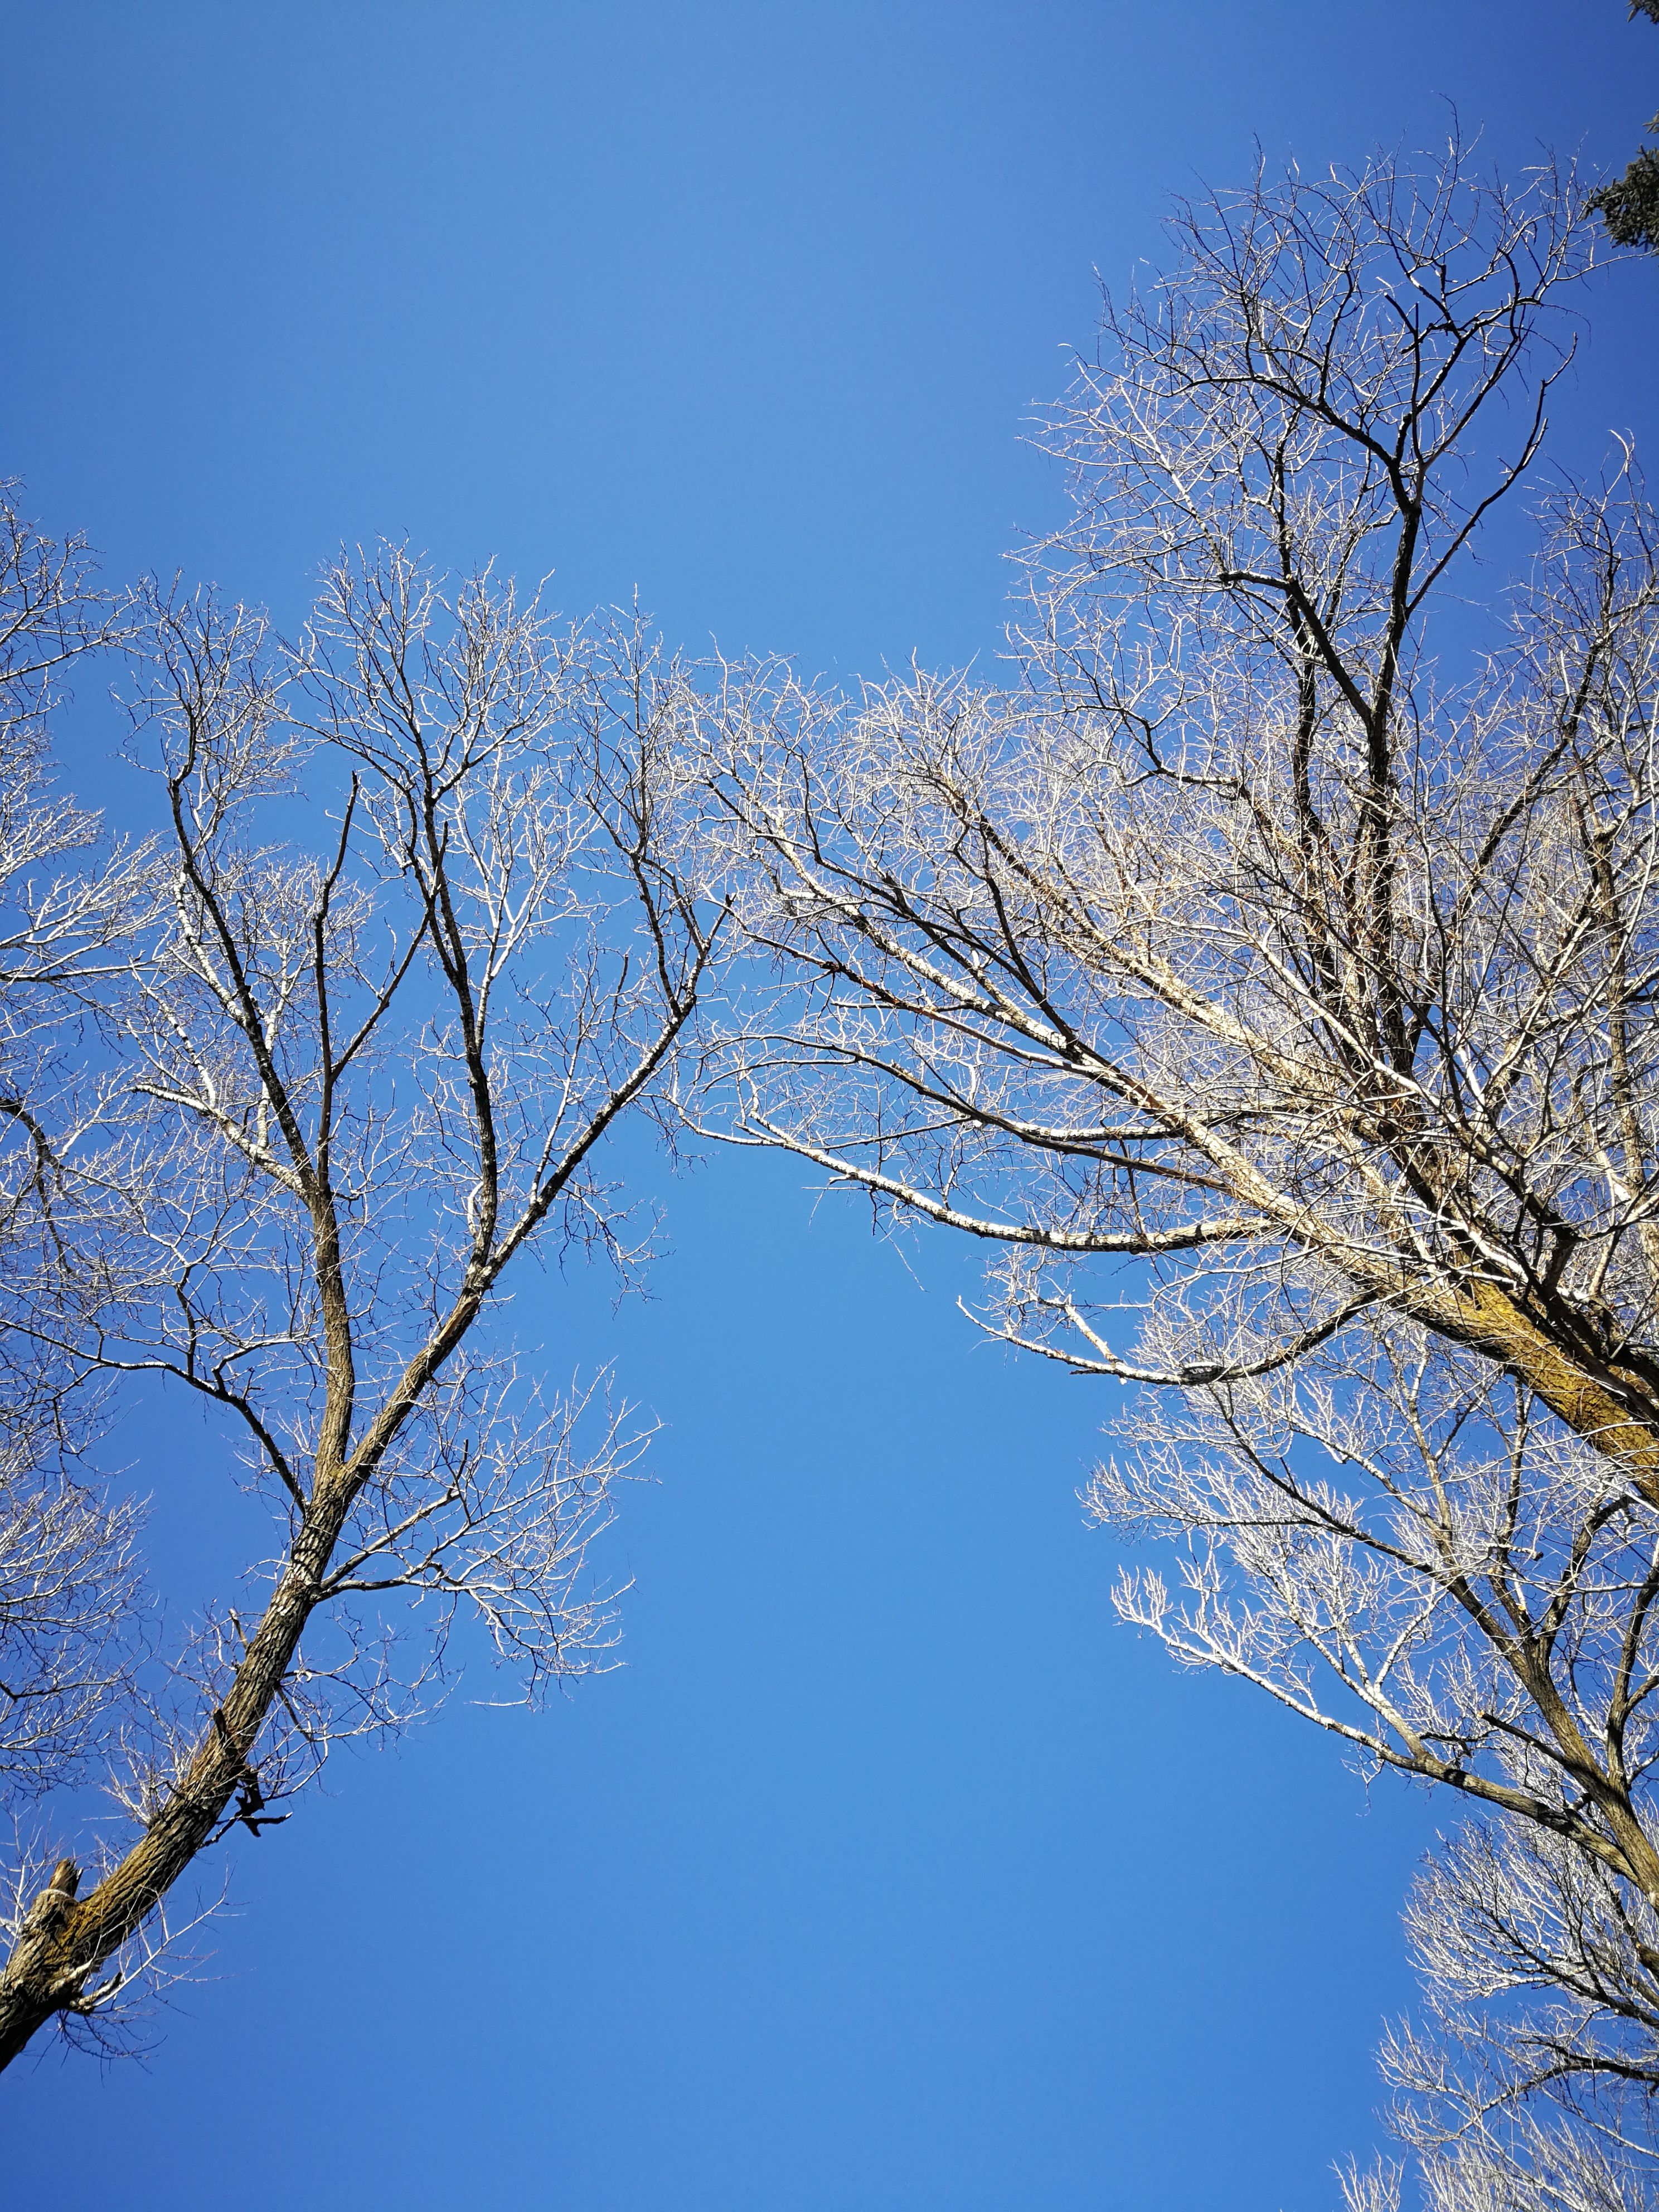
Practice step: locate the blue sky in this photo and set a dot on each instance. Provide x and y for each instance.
(891, 1875)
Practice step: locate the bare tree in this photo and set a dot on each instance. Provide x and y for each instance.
(68, 913)
(355, 1088)
(1247, 940)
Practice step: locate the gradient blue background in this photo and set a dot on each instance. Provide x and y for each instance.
(891, 1876)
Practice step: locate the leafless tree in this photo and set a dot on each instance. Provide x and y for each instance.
(68, 913)
(352, 1090)
(1249, 938)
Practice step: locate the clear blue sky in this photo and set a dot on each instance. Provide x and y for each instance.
(891, 1876)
